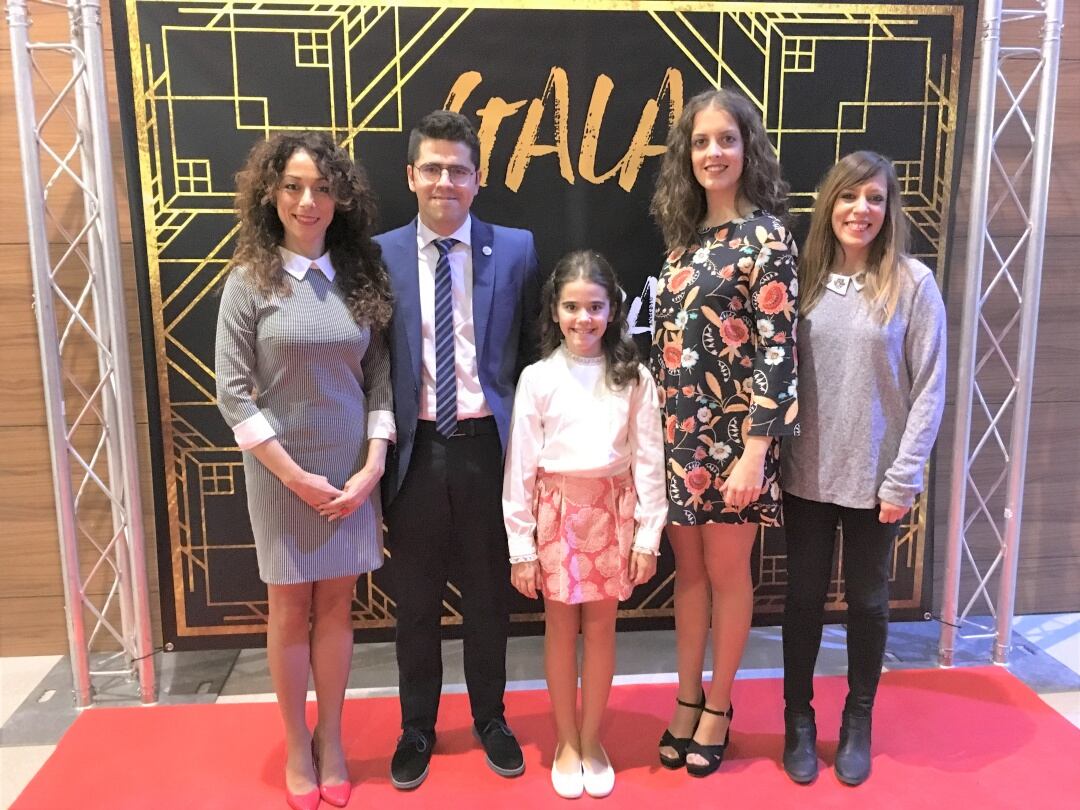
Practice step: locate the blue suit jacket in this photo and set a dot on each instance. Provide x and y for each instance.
(506, 299)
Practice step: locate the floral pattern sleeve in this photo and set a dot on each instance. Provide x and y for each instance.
(774, 289)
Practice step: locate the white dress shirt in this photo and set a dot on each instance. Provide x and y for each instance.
(257, 429)
(568, 420)
(470, 396)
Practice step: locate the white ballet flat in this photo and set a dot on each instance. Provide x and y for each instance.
(568, 785)
(598, 783)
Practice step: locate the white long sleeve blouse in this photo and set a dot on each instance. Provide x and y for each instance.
(568, 420)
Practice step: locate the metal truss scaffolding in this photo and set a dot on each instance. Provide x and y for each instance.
(1001, 308)
(82, 331)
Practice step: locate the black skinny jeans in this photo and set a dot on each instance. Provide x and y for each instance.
(810, 527)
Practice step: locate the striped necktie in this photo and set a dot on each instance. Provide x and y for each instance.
(445, 377)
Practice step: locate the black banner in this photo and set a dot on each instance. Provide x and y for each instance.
(572, 102)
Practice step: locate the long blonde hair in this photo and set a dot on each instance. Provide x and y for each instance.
(888, 251)
(678, 204)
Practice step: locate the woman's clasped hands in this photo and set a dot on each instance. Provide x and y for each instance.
(329, 501)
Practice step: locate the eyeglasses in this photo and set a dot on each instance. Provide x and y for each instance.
(433, 172)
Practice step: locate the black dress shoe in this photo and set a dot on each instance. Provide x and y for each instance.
(409, 767)
(502, 749)
(853, 754)
(800, 753)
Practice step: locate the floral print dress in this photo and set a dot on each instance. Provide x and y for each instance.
(723, 355)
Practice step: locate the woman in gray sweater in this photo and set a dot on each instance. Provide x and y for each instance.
(871, 391)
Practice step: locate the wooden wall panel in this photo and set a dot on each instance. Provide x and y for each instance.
(32, 625)
(20, 380)
(31, 595)
(1064, 201)
(1059, 328)
(1049, 569)
(35, 625)
(29, 562)
(64, 199)
(31, 589)
(1048, 576)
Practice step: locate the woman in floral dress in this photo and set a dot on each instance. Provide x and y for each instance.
(723, 355)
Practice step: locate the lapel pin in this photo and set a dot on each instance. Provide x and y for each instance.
(838, 283)
(486, 250)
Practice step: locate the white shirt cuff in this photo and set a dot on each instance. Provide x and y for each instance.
(381, 425)
(521, 546)
(648, 540)
(253, 431)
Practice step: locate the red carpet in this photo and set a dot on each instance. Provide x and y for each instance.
(963, 739)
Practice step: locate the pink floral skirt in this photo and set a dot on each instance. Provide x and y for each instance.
(584, 531)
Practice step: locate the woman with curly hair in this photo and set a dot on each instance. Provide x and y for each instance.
(303, 379)
(872, 340)
(723, 357)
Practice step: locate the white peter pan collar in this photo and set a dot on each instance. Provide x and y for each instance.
(297, 265)
(838, 283)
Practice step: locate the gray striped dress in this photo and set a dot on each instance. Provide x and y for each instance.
(314, 375)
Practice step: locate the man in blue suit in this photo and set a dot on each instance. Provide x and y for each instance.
(466, 295)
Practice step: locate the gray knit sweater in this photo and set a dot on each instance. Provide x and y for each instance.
(870, 396)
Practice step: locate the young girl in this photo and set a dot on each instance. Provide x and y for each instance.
(583, 499)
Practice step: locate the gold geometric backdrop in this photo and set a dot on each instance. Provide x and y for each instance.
(572, 101)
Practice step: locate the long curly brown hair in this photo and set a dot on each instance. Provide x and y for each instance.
(620, 353)
(357, 260)
(679, 205)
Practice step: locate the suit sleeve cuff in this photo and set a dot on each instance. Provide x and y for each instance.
(253, 431)
(381, 425)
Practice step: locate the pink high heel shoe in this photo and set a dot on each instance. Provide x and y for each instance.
(303, 801)
(337, 795)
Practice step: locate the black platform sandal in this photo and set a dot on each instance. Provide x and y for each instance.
(669, 740)
(713, 754)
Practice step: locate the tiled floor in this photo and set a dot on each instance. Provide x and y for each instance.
(36, 705)
(19, 679)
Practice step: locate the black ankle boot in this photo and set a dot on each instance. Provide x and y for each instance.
(853, 753)
(800, 754)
